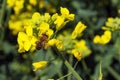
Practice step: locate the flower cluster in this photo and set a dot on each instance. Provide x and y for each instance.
(104, 39)
(19, 5)
(41, 30)
(71, 45)
(39, 34)
(22, 12)
(17, 23)
(112, 24)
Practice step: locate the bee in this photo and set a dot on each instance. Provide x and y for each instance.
(42, 40)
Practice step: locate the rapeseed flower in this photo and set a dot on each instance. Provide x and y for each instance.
(112, 24)
(80, 27)
(11, 3)
(26, 41)
(65, 14)
(17, 5)
(82, 48)
(59, 22)
(33, 2)
(77, 54)
(55, 42)
(104, 39)
(39, 65)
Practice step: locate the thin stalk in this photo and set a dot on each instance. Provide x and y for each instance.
(1, 21)
(71, 62)
(64, 76)
(113, 72)
(2, 12)
(68, 73)
(60, 74)
(84, 65)
(75, 74)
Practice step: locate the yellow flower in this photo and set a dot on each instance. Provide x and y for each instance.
(112, 24)
(39, 65)
(12, 26)
(33, 2)
(118, 11)
(54, 16)
(29, 7)
(77, 54)
(11, 3)
(65, 14)
(47, 17)
(59, 45)
(64, 11)
(80, 27)
(41, 4)
(26, 41)
(49, 32)
(55, 42)
(96, 39)
(59, 23)
(82, 48)
(36, 16)
(19, 4)
(52, 42)
(104, 39)
(44, 28)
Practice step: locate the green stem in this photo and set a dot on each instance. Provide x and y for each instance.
(8, 17)
(114, 74)
(1, 22)
(2, 12)
(71, 61)
(64, 76)
(60, 74)
(68, 73)
(84, 65)
(72, 71)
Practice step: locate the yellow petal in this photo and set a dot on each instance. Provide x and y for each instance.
(29, 31)
(64, 11)
(59, 23)
(27, 45)
(96, 39)
(22, 37)
(80, 27)
(39, 65)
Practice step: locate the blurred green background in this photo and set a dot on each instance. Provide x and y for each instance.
(94, 13)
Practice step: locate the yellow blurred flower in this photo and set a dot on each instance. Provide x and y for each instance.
(39, 65)
(80, 27)
(59, 22)
(11, 3)
(82, 48)
(15, 26)
(118, 11)
(65, 14)
(77, 54)
(112, 24)
(41, 4)
(36, 18)
(104, 39)
(33, 2)
(96, 39)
